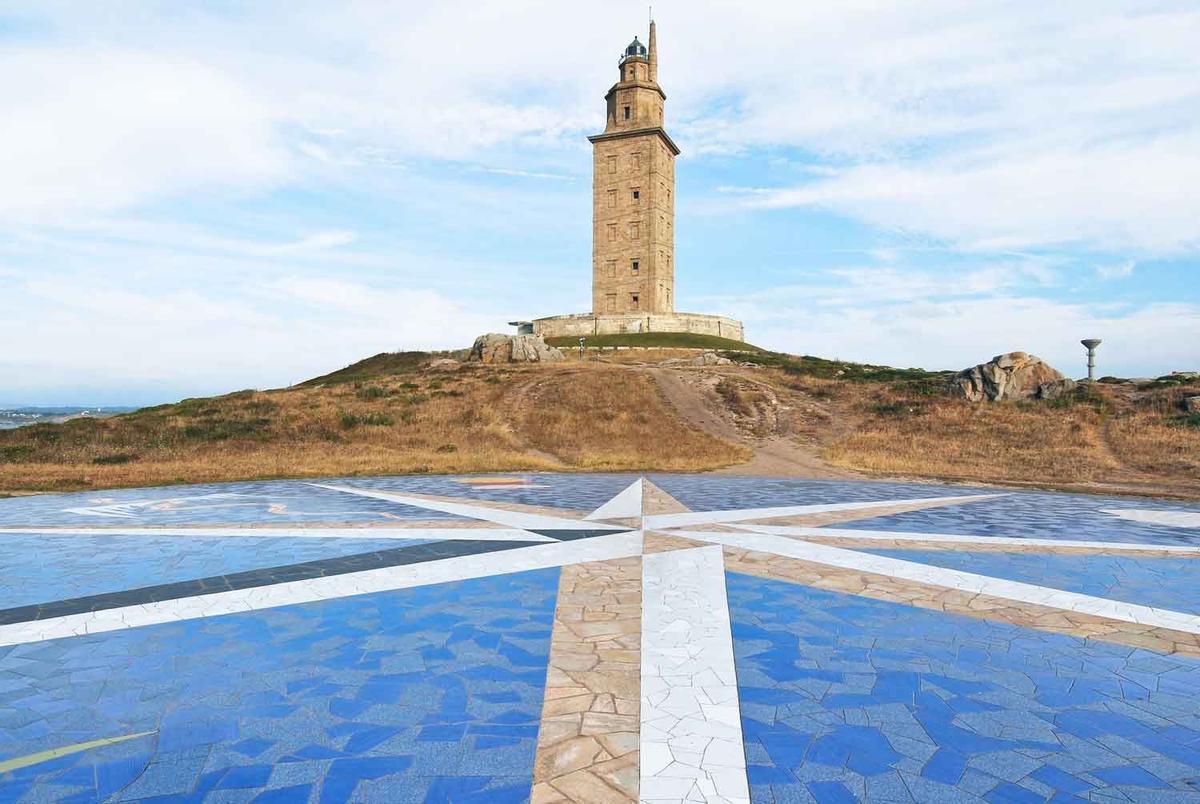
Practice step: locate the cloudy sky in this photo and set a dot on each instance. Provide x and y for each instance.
(193, 201)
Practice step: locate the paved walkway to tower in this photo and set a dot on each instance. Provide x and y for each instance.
(597, 638)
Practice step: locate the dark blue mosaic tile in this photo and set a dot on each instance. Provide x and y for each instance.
(1168, 583)
(240, 705)
(40, 568)
(1041, 515)
(890, 701)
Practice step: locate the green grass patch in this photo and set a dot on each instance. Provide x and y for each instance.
(15, 453)
(114, 459)
(227, 429)
(352, 420)
(385, 364)
(915, 381)
(657, 340)
(371, 392)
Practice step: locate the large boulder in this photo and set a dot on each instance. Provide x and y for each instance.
(1015, 375)
(497, 348)
(710, 359)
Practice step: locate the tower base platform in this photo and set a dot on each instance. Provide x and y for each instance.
(583, 324)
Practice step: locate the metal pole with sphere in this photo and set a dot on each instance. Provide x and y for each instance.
(1091, 344)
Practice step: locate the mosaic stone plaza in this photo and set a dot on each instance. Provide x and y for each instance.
(598, 638)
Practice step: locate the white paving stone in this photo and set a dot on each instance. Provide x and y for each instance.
(626, 504)
(500, 516)
(954, 579)
(691, 736)
(1174, 519)
(428, 534)
(948, 538)
(542, 556)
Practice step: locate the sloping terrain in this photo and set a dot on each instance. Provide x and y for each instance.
(766, 414)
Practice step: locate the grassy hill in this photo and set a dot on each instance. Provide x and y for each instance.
(393, 414)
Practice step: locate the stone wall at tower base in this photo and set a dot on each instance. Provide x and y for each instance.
(585, 324)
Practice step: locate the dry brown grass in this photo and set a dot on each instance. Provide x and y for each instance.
(417, 422)
(612, 416)
(607, 418)
(995, 442)
(1117, 441)
(1149, 444)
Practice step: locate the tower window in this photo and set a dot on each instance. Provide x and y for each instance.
(633, 300)
(626, 112)
(612, 164)
(635, 267)
(610, 302)
(612, 198)
(610, 269)
(635, 230)
(612, 231)
(637, 196)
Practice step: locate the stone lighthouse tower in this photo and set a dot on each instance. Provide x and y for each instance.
(633, 193)
(633, 217)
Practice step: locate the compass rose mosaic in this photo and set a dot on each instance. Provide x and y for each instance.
(597, 638)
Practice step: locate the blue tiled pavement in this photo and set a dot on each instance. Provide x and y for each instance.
(1030, 514)
(298, 502)
(427, 694)
(846, 697)
(1041, 515)
(1169, 583)
(434, 693)
(39, 568)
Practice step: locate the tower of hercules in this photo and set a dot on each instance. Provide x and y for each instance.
(633, 193)
(633, 217)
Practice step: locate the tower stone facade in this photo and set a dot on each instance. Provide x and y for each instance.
(633, 193)
(633, 217)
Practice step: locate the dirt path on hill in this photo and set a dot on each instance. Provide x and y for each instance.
(754, 414)
(521, 398)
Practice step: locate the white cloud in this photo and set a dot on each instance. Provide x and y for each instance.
(105, 129)
(317, 241)
(988, 124)
(189, 341)
(915, 318)
(1117, 270)
(983, 127)
(1130, 196)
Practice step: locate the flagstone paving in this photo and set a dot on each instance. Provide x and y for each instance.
(598, 638)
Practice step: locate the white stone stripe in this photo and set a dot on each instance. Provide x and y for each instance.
(1174, 519)
(501, 516)
(948, 538)
(691, 735)
(955, 579)
(542, 556)
(626, 504)
(430, 534)
(659, 521)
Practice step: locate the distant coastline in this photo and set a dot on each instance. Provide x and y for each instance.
(12, 418)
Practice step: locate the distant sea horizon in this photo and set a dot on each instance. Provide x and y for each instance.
(22, 416)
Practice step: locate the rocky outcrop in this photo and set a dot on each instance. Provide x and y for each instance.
(1192, 404)
(1015, 375)
(497, 348)
(706, 359)
(444, 364)
(711, 359)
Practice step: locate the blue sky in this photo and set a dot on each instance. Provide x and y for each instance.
(198, 199)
